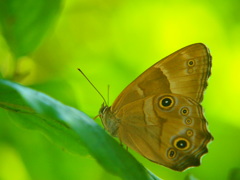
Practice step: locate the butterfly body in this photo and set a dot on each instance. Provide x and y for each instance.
(159, 114)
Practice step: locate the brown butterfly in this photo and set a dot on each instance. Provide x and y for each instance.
(159, 114)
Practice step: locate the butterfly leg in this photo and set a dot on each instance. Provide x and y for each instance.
(96, 117)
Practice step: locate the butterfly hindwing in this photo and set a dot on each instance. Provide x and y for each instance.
(154, 131)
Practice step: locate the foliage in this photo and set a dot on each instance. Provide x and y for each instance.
(69, 127)
(42, 43)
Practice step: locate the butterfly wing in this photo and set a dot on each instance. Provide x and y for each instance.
(159, 114)
(184, 72)
(174, 135)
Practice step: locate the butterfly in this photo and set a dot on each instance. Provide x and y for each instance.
(159, 114)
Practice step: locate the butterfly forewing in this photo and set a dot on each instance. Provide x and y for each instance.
(188, 70)
(184, 72)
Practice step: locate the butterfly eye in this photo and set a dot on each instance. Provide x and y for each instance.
(191, 63)
(166, 102)
(171, 153)
(181, 143)
(184, 111)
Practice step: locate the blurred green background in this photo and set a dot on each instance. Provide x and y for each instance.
(44, 42)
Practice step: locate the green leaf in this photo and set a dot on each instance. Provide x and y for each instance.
(234, 174)
(190, 177)
(70, 128)
(24, 23)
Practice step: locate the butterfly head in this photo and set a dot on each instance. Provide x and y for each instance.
(102, 109)
(109, 121)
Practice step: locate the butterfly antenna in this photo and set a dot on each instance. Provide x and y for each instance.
(105, 102)
(108, 94)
